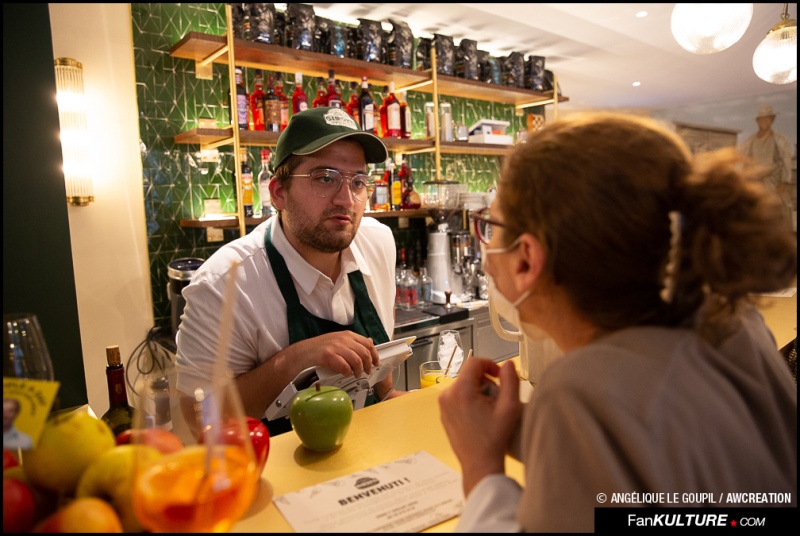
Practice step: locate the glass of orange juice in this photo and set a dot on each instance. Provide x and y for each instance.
(210, 483)
(429, 373)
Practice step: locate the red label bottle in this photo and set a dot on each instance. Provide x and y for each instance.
(299, 97)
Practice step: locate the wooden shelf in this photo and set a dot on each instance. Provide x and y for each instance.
(224, 136)
(233, 221)
(199, 46)
(464, 147)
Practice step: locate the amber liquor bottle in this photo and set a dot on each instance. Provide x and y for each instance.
(120, 414)
(257, 101)
(284, 100)
(272, 109)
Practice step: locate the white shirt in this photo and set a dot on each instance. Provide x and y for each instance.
(260, 326)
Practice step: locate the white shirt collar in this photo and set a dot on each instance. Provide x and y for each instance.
(303, 273)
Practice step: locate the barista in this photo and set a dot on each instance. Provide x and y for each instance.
(318, 284)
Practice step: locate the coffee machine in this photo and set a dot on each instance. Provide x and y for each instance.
(440, 199)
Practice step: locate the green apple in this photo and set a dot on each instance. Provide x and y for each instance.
(110, 477)
(321, 416)
(68, 443)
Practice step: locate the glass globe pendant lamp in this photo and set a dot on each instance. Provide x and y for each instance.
(775, 58)
(710, 28)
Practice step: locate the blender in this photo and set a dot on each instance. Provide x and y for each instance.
(440, 199)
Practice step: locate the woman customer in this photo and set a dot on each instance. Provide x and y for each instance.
(640, 262)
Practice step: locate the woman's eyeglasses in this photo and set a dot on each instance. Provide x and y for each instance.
(326, 182)
(484, 224)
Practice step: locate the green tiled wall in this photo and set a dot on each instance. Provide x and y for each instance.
(176, 182)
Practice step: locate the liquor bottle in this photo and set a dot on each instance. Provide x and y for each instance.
(377, 108)
(380, 195)
(395, 188)
(299, 97)
(247, 184)
(405, 117)
(411, 288)
(352, 104)
(120, 414)
(264, 176)
(257, 101)
(322, 98)
(284, 103)
(366, 108)
(399, 279)
(410, 198)
(390, 115)
(272, 109)
(426, 288)
(334, 98)
(242, 102)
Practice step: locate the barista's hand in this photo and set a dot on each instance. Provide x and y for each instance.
(480, 421)
(346, 352)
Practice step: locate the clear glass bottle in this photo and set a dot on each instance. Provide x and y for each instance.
(425, 288)
(430, 120)
(411, 287)
(120, 414)
(399, 290)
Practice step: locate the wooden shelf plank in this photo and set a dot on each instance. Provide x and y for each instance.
(464, 147)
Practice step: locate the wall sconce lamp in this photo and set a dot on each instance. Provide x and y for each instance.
(74, 133)
(710, 28)
(775, 58)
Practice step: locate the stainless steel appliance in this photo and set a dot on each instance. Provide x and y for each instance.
(440, 198)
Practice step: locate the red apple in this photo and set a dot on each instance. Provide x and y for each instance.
(9, 460)
(259, 438)
(163, 440)
(19, 506)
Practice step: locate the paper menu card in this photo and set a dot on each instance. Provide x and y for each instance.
(406, 495)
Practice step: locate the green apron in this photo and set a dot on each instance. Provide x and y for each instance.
(303, 325)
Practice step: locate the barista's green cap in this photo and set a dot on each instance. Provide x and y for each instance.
(312, 129)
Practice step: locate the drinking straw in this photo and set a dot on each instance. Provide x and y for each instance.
(455, 347)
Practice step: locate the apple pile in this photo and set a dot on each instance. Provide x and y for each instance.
(79, 477)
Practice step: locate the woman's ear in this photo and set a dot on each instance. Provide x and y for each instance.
(530, 261)
(277, 192)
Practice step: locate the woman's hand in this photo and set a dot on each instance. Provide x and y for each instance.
(480, 417)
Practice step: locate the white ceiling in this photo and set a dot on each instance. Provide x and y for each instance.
(596, 50)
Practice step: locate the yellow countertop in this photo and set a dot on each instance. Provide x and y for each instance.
(378, 434)
(392, 429)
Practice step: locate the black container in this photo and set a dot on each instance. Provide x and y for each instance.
(180, 272)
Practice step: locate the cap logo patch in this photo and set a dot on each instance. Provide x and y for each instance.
(339, 118)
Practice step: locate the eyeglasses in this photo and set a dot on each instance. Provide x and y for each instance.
(483, 225)
(326, 182)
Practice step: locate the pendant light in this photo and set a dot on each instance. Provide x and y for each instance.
(710, 28)
(775, 59)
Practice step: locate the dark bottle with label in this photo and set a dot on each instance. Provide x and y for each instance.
(120, 415)
(242, 102)
(284, 100)
(272, 109)
(405, 117)
(366, 108)
(352, 104)
(247, 183)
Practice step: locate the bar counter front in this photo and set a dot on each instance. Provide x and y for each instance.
(403, 426)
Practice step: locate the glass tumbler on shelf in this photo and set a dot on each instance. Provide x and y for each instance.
(209, 483)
